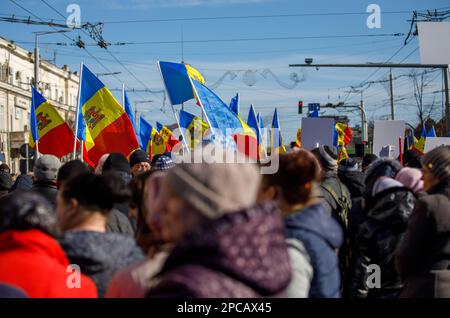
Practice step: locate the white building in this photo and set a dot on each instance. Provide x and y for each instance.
(58, 85)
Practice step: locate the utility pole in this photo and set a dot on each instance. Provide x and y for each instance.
(391, 89)
(36, 54)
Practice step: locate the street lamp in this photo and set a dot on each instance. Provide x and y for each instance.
(36, 53)
(136, 108)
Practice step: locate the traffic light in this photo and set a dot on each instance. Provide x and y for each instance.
(300, 107)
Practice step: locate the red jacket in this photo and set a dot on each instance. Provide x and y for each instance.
(35, 262)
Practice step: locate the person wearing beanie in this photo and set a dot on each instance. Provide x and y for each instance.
(30, 257)
(5, 183)
(225, 245)
(351, 177)
(313, 237)
(423, 257)
(162, 163)
(139, 162)
(367, 160)
(411, 178)
(335, 196)
(386, 220)
(118, 221)
(45, 171)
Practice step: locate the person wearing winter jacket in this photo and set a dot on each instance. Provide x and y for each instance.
(30, 257)
(83, 205)
(423, 257)
(378, 237)
(313, 236)
(226, 246)
(44, 179)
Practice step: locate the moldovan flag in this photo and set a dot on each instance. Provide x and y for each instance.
(167, 135)
(345, 134)
(192, 126)
(145, 133)
(48, 128)
(102, 122)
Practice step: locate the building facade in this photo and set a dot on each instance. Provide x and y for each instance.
(58, 85)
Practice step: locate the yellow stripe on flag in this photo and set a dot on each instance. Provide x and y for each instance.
(100, 111)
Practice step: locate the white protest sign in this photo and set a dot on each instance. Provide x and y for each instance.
(433, 142)
(317, 131)
(434, 44)
(386, 137)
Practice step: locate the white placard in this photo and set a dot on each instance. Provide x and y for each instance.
(434, 42)
(433, 142)
(317, 131)
(386, 137)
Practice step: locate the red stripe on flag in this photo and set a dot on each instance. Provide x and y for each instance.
(58, 141)
(117, 137)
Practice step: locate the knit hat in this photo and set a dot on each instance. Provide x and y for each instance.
(163, 163)
(46, 168)
(137, 157)
(116, 162)
(437, 161)
(327, 157)
(411, 178)
(367, 160)
(5, 181)
(347, 165)
(215, 189)
(384, 183)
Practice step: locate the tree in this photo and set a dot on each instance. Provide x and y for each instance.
(425, 108)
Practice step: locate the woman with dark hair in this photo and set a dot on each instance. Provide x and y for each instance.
(30, 257)
(83, 205)
(313, 236)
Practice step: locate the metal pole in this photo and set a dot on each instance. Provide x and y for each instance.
(447, 102)
(77, 113)
(36, 62)
(27, 159)
(392, 94)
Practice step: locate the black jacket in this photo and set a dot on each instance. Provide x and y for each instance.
(423, 257)
(377, 238)
(46, 189)
(354, 181)
(100, 255)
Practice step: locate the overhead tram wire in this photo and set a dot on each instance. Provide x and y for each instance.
(114, 57)
(65, 35)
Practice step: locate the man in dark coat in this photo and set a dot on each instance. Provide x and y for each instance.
(423, 257)
(45, 171)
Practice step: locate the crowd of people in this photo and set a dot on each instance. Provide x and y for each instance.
(317, 228)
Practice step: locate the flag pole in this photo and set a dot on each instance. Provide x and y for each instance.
(173, 109)
(77, 114)
(201, 106)
(123, 95)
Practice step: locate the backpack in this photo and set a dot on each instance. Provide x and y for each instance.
(343, 205)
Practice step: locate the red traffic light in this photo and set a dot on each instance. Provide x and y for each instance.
(300, 107)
